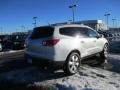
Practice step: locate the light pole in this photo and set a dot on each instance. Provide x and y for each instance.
(107, 15)
(1, 30)
(35, 23)
(113, 22)
(116, 23)
(23, 28)
(16, 30)
(73, 13)
(69, 21)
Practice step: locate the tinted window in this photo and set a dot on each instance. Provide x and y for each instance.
(92, 33)
(17, 37)
(74, 31)
(2, 36)
(42, 32)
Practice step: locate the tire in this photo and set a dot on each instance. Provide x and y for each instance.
(104, 53)
(72, 64)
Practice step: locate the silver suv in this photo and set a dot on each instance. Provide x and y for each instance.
(64, 45)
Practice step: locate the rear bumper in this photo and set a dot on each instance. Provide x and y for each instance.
(43, 62)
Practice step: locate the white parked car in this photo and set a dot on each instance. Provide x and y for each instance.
(64, 45)
(0, 47)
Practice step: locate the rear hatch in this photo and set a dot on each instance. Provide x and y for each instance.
(37, 41)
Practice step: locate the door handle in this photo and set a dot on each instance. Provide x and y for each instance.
(82, 41)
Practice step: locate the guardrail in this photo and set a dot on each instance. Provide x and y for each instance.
(113, 38)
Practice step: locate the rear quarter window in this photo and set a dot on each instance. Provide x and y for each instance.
(74, 31)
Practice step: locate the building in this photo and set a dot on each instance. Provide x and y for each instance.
(114, 31)
(98, 25)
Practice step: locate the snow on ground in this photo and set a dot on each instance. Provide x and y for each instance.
(114, 56)
(88, 78)
(10, 51)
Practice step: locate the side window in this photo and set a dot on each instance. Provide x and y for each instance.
(92, 33)
(70, 31)
(84, 32)
(74, 31)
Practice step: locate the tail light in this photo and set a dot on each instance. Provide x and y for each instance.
(50, 42)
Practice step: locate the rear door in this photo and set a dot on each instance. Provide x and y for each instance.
(87, 42)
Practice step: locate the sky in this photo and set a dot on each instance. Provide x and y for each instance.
(17, 13)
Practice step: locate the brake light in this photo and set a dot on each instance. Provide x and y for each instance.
(50, 42)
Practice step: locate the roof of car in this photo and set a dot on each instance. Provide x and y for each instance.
(72, 25)
(63, 25)
(66, 25)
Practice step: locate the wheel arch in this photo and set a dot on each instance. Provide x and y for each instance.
(107, 45)
(75, 50)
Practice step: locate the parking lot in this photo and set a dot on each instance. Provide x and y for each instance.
(15, 73)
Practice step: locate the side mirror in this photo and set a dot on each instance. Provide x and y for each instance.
(99, 36)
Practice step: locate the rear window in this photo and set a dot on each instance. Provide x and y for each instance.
(17, 37)
(42, 32)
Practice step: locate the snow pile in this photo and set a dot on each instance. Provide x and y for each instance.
(10, 51)
(87, 78)
(114, 56)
